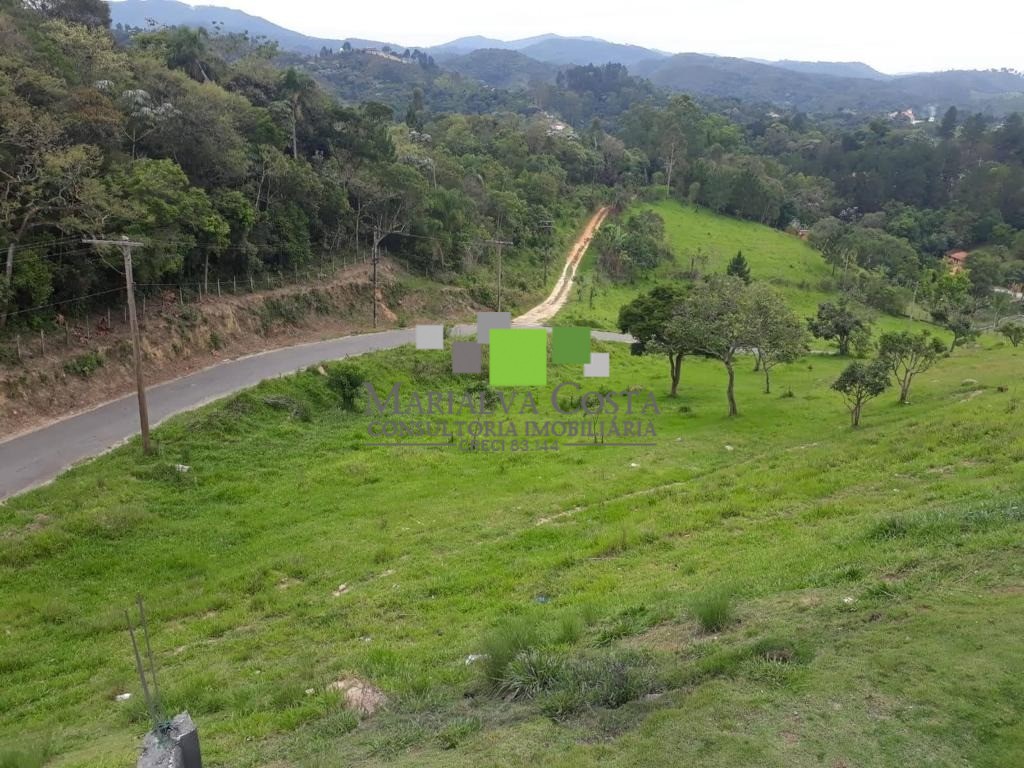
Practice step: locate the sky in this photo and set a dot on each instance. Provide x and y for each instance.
(891, 35)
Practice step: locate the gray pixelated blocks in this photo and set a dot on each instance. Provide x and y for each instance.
(488, 321)
(429, 337)
(599, 367)
(466, 357)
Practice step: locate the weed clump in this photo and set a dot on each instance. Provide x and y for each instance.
(713, 609)
(84, 365)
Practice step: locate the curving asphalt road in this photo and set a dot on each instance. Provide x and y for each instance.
(35, 458)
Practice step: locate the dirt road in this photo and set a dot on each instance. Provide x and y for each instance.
(548, 308)
(34, 458)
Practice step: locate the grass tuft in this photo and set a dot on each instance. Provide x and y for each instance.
(713, 609)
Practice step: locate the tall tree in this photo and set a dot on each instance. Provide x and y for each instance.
(947, 128)
(296, 88)
(647, 318)
(715, 321)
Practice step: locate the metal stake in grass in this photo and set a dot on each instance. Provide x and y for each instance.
(153, 704)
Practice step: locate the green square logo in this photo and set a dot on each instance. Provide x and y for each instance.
(570, 346)
(519, 357)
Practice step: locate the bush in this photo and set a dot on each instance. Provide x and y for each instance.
(84, 365)
(713, 610)
(346, 381)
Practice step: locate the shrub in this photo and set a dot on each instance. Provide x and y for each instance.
(84, 365)
(346, 381)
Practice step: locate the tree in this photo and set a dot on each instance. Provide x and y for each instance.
(778, 334)
(297, 88)
(985, 271)
(646, 319)
(859, 383)
(1014, 332)
(906, 354)
(839, 323)
(952, 306)
(947, 128)
(188, 50)
(91, 13)
(714, 321)
(828, 235)
(738, 267)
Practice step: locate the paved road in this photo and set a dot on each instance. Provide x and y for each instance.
(36, 457)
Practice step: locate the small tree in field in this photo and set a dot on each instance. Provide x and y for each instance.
(739, 267)
(906, 354)
(714, 321)
(646, 319)
(859, 383)
(778, 335)
(839, 323)
(1014, 332)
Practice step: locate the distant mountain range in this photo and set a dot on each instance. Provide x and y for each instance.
(809, 86)
(170, 13)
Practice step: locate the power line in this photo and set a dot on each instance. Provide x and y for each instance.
(67, 301)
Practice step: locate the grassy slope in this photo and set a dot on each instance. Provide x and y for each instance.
(917, 517)
(793, 267)
(890, 557)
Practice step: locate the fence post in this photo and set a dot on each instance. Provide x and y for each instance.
(42, 341)
(218, 287)
(17, 345)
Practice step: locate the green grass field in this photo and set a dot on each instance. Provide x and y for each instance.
(795, 269)
(772, 590)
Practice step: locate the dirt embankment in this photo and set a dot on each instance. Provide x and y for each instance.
(91, 361)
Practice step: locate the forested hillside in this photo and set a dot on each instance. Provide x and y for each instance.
(226, 164)
(231, 159)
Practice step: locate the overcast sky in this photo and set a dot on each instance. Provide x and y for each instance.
(890, 35)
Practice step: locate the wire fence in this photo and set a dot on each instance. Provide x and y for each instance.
(75, 322)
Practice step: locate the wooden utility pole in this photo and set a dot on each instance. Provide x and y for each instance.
(126, 246)
(499, 244)
(548, 226)
(376, 241)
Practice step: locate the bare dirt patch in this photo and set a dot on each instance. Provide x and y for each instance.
(360, 696)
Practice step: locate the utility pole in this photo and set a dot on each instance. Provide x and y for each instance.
(547, 225)
(376, 241)
(126, 246)
(499, 244)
